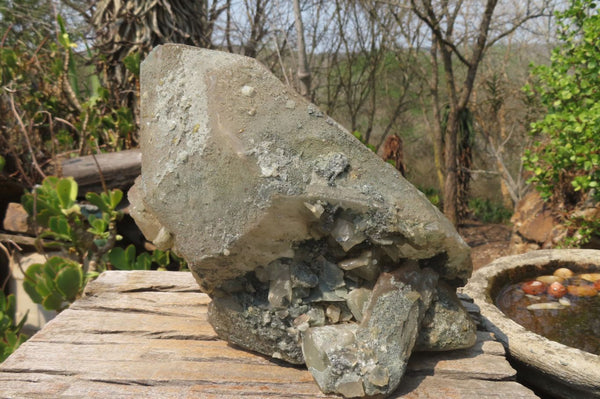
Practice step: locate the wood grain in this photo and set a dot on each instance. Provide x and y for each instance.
(118, 168)
(145, 334)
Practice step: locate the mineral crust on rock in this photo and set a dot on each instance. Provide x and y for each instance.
(289, 223)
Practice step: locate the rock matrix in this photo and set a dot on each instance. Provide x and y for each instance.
(312, 248)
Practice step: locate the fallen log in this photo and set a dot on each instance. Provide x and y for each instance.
(119, 170)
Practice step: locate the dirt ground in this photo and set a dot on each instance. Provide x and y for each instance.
(487, 241)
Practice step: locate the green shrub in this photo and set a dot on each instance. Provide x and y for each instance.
(433, 195)
(87, 233)
(565, 160)
(10, 333)
(54, 103)
(54, 284)
(489, 212)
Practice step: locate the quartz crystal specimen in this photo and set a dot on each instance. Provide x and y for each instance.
(370, 358)
(304, 239)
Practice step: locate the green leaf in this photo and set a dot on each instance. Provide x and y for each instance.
(97, 200)
(99, 226)
(19, 326)
(115, 198)
(69, 281)
(73, 209)
(118, 258)
(54, 301)
(11, 338)
(4, 351)
(33, 271)
(130, 253)
(161, 257)
(67, 192)
(132, 63)
(143, 262)
(10, 304)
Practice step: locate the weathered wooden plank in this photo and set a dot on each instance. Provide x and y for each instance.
(164, 303)
(128, 324)
(36, 385)
(434, 387)
(136, 281)
(145, 334)
(118, 168)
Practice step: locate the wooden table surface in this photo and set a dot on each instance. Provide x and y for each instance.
(144, 334)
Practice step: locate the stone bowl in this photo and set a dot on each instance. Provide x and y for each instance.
(550, 367)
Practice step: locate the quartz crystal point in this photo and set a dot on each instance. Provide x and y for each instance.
(370, 358)
(286, 220)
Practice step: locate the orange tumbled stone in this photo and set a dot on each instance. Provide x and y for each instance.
(563, 272)
(533, 287)
(591, 277)
(597, 285)
(582, 290)
(550, 279)
(557, 290)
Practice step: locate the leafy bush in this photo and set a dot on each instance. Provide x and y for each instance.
(54, 284)
(565, 161)
(88, 233)
(360, 137)
(489, 212)
(10, 333)
(53, 105)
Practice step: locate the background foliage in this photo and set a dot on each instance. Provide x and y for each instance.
(565, 160)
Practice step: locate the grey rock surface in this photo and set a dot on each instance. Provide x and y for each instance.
(447, 325)
(284, 218)
(225, 161)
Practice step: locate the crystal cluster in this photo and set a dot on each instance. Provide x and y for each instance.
(312, 249)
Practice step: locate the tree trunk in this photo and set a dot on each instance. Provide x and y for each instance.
(451, 182)
(438, 141)
(507, 198)
(303, 68)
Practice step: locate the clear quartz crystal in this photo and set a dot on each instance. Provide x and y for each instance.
(316, 209)
(333, 313)
(356, 301)
(318, 343)
(363, 260)
(317, 317)
(344, 232)
(365, 266)
(280, 288)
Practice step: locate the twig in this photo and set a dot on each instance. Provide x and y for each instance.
(18, 162)
(35, 53)
(25, 276)
(92, 265)
(57, 165)
(38, 245)
(482, 172)
(24, 130)
(82, 134)
(102, 179)
(6, 35)
(5, 250)
(281, 62)
(66, 85)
